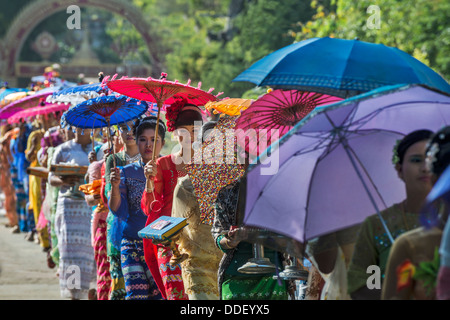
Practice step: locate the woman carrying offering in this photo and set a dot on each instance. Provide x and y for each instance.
(128, 155)
(162, 175)
(127, 186)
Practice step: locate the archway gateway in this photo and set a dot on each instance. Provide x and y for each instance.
(39, 10)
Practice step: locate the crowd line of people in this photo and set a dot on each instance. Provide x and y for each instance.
(88, 225)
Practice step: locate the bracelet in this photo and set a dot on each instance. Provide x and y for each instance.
(220, 246)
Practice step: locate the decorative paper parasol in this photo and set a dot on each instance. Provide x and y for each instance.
(277, 110)
(103, 112)
(229, 106)
(22, 104)
(78, 94)
(43, 109)
(162, 92)
(14, 96)
(211, 171)
(339, 67)
(5, 92)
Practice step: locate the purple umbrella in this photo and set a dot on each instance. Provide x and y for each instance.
(334, 167)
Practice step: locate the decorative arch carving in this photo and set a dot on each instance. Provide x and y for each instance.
(39, 10)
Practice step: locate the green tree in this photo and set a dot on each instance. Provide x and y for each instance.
(214, 41)
(420, 28)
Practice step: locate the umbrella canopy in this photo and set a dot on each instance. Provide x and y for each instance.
(77, 94)
(14, 96)
(8, 91)
(103, 111)
(340, 68)
(213, 168)
(229, 106)
(334, 167)
(277, 110)
(22, 104)
(161, 91)
(44, 109)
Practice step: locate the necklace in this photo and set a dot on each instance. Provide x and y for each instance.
(133, 159)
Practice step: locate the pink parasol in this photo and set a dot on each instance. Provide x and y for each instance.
(43, 109)
(22, 104)
(161, 91)
(278, 110)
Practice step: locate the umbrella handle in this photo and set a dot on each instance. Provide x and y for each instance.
(159, 103)
(110, 141)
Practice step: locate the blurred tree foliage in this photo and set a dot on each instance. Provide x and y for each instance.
(212, 41)
(420, 28)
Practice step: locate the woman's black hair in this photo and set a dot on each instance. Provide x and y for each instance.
(206, 129)
(149, 123)
(188, 117)
(409, 140)
(438, 151)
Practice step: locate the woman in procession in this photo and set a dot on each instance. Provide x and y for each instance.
(127, 187)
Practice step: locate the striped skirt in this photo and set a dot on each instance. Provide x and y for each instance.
(139, 283)
(76, 255)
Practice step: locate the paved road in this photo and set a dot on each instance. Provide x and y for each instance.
(24, 274)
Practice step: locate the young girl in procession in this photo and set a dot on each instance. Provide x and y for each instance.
(414, 248)
(162, 176)
(372, 245)
(127, 186)
(129, 154)
(199, 270)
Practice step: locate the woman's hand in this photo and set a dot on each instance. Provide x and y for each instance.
(150, 170)
(114, 176)
(234, 237)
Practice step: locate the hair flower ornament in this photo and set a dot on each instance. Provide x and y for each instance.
(395, 157)
(172, 113)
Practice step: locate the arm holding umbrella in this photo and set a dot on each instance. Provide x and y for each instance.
(115, 199)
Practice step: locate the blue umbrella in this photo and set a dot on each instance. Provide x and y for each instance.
(104, 111)
(334, 169)
(80, 93)
(340, 68)
(77, 94)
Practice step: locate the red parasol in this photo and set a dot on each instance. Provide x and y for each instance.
(161, 91)
(277, 110)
